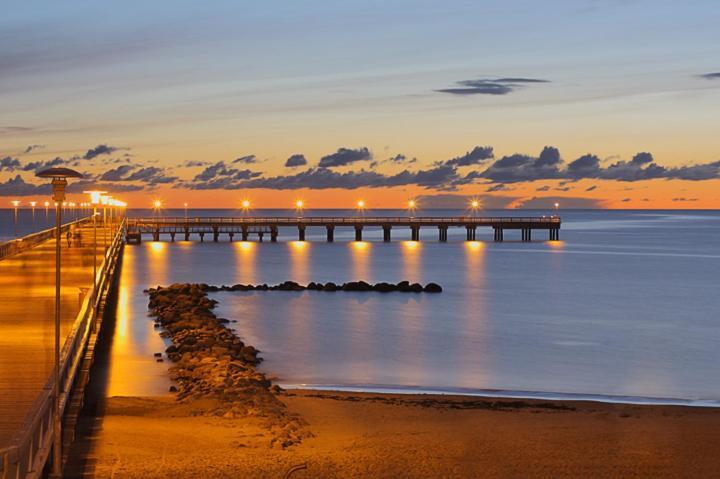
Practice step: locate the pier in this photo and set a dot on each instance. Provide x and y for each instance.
(27, 302)
(245, 228)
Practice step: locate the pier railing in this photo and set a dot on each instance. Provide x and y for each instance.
(13, 247)
(348, 220)
(31, 446)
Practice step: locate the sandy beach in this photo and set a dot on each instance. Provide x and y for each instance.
(388, 435)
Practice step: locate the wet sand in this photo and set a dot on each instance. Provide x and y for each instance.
(392, 435)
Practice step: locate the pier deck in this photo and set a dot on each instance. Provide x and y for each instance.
(27, 302)
(245, 227)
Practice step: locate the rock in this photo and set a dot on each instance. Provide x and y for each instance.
(416, 288)
(433, 288)
(403, 286)
(330, 286)
(384, 287)
(158, 355)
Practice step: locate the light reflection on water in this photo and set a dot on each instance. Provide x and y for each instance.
(574, 317)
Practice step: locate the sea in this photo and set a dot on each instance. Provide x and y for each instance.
(624, 308)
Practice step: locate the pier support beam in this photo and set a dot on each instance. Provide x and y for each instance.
(554, 234)
(244, 233)
(526, 234)
(301, 233)
(273, 234)
(156, 235)
(498, 234)
(442, 233)
(216, 234)
(187, 234)
(470, 230)
(231, 234)
(202, 236)
(414, 233)
(330, 233)
(386, 233)
(358, 233)
(172, 237)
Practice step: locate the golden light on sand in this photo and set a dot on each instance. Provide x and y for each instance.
(245, 245)
(298, 245)
(556, 245)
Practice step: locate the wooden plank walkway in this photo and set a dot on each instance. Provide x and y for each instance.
(27, 295)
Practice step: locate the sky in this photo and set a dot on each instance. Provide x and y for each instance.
(520, 104)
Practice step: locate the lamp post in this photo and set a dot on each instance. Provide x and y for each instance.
(299, 205)
(411, 208)
(474, 205)
(245, 207)
(185, 205)
(47, 207)
(557, 205)
(94, 201)
(15, 204)
(59, 182)
(361, 207)
(32, 205)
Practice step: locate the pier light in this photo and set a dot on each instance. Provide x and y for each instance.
(412, 205)
(157, 204)
(245, 205)
(15, 204)
(361, 206)
(59, 178)
(299, 205)
(474, 206)
(557, 206)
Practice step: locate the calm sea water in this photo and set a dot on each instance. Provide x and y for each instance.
(625, 306)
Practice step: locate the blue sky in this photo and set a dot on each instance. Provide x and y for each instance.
(182, 81)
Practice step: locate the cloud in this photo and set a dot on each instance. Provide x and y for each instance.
(9, 164)
(684, 199)
(548, 166)
(345, 156)
(192, 163)
(711, 76)
(150, 175)
(324, 178)
(249, 159)
(41, 165)
(498, 187)
(591, 188)
(117, 174)
(296, 160)
(221, 170)
(498, 86)
(32, 148)
(478, 155)
(18, 187)
(99, 150)
(543, 188)
(114, 187)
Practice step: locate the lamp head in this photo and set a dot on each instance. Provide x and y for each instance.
(59, 180)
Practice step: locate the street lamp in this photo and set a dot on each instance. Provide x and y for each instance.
(361, 206)
(59, 182)
(185, 206)
(245, 206)
(299, 205)
(32, 205)
(94, 200)
(411, 208)
(15, 204)
(47, 206)
(557, 205)
(474, 205)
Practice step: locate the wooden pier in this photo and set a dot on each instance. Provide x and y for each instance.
(258, 227)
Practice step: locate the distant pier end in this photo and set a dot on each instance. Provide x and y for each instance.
(260, 227)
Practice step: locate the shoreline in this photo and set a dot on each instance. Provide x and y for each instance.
(505, 394)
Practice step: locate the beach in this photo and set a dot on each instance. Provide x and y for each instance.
(393, 435)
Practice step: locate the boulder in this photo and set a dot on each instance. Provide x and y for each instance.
(384, 287)
(330, 286)
(416, 288)
(433, 288)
